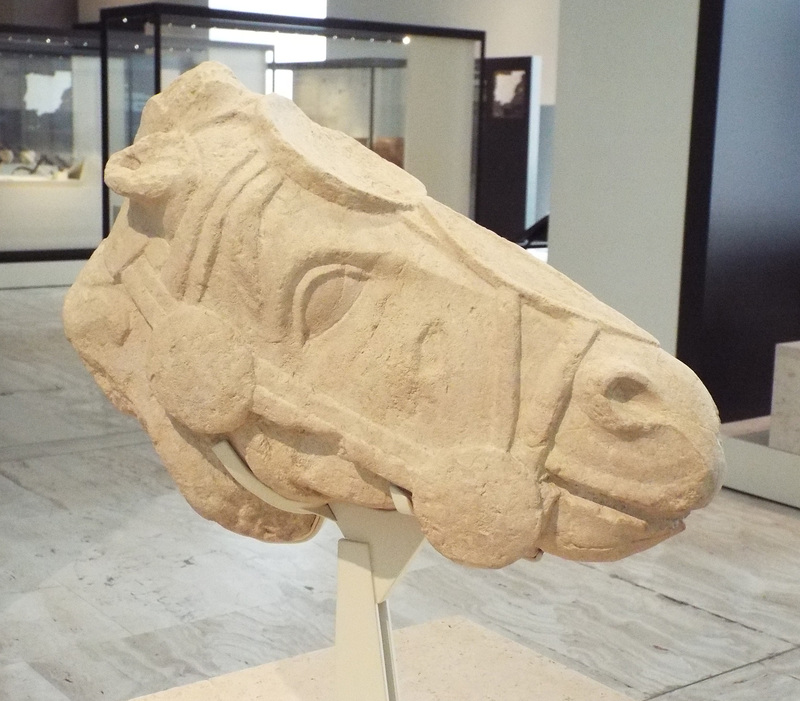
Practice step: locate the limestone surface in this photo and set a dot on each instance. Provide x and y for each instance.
(276, 285)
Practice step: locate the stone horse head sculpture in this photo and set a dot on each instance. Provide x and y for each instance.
(273, 283)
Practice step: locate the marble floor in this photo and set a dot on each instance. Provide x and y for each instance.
(111, 587)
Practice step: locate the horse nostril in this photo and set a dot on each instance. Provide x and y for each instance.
(624, 388)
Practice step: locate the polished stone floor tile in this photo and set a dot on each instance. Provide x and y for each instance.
(188, 652)
(156, 563)
(39, 537)
(14, 496)
(117, 478)
(788, 664)
(56, 510)
(57, 414)
(738, 559)
(44, 395)
(774, 679)
(47, 621)
(106, 442)
(634, 639)
(19, 682)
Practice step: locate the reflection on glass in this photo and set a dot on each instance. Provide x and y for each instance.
(509, 95)
(351, 83)
(50, 188)
(360, 97)
(36, 118)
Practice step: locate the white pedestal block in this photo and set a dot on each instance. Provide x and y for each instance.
(449, 660)
(785, 425)
(754, 468)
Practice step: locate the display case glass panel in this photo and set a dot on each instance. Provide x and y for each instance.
(50, 145)
(409, 93)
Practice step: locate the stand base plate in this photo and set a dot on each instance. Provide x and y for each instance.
(448, 660)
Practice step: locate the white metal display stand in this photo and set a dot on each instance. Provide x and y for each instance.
(376, 549)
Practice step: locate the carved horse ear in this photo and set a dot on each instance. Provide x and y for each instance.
(149, 168)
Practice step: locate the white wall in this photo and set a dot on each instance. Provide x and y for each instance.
(39, 13)
(513, 27)
(623, 120)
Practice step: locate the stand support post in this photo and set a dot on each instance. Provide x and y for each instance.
(364, 669)
(375, 551)
(377, 547)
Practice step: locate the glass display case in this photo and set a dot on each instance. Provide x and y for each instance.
(508, 180)
(50, 147)
(410, 93)
(361, 97)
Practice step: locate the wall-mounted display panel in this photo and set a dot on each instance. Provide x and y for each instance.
(510, 149)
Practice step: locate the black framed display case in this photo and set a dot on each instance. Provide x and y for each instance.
(510, 150)
(50, 151)
(409, 92)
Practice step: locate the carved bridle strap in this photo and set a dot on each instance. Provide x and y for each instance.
(285, 400)
(241, 472)
(538, 426)
(199, 230)
(530, 434)
(278, 397)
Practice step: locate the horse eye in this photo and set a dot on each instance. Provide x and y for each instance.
(624, 388)
(325, 295)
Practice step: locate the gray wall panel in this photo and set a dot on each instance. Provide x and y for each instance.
(752, 286)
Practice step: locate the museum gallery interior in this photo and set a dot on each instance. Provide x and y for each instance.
(364, 351)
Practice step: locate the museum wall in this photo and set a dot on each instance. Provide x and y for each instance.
(752, 275)
(89, 10)
(625, 86)
(60, 14)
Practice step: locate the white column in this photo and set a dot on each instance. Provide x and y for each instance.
(622, 127)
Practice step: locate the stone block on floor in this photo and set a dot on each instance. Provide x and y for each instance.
(447, 660)
(785, 425)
